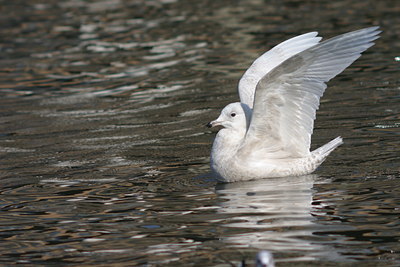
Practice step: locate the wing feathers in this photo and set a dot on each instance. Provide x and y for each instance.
(271, 59)
(287, 97)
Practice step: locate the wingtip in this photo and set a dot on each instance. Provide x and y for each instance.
(377, 30)
(374, 29)
(369, 30)
(314, 34)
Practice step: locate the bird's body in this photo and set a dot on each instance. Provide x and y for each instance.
(268, 133)
(230, 159)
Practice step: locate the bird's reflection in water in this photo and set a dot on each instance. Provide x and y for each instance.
(276, 212)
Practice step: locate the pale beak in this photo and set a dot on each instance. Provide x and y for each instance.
(213, 124)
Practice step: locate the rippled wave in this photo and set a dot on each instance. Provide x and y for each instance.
(104, 153)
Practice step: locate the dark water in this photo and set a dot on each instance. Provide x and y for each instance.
(104, 153)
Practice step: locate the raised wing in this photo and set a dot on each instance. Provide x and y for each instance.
(287, 98)
(269, 60)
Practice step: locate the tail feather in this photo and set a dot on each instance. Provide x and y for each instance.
(326, 149)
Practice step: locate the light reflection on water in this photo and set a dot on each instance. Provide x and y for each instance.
(283, 212)
(272, 206)
(104, 154)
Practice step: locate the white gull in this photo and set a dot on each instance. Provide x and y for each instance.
(268, 133)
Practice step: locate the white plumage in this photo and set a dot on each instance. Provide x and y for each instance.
(269, 60)
(268, 134)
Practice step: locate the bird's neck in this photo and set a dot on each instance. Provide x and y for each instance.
(226, 144)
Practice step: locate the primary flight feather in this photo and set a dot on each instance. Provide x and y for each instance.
(268, 133)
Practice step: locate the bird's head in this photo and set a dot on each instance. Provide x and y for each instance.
(233, 116)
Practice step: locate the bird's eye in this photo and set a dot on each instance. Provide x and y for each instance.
(233, 114)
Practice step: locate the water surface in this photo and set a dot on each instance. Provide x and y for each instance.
(104, 154)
